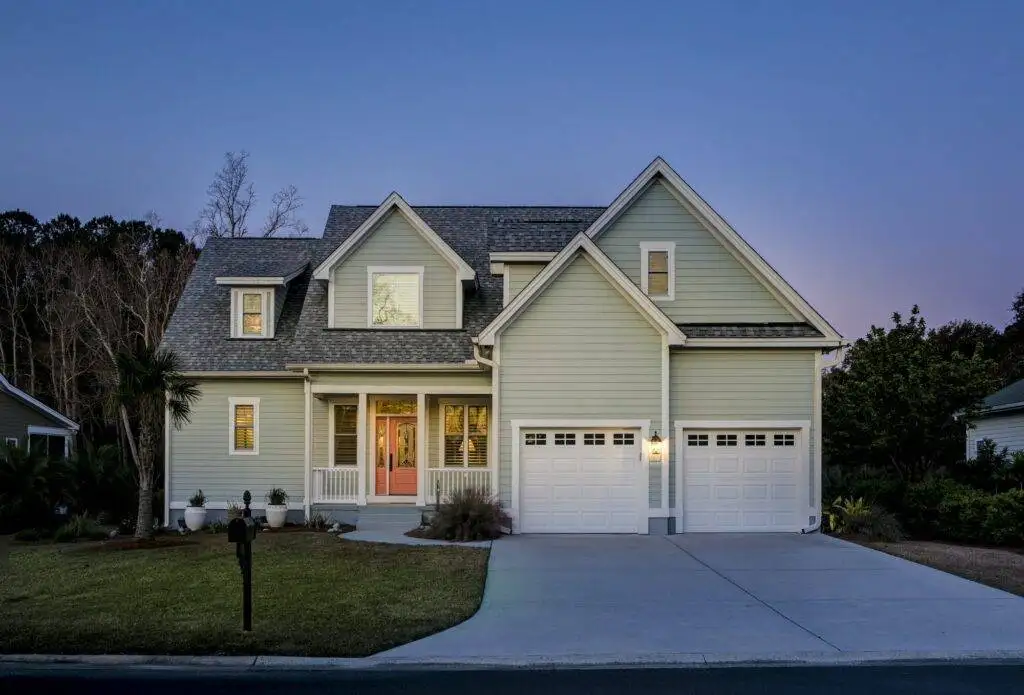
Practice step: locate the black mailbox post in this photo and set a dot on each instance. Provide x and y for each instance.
(242, 532)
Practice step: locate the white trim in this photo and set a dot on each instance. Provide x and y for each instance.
(765, 342)
(666, 451)
(459, 292)
(495, 434)
(349, 389)
(522, 256)
(11, 441)
(804, 426)
(63, 432)
(643, 474)
(669, 247)
(260, 280)
(255, 403)
(307, 446)
(330, 301)
(506, 289)
(242, 374)
(465, 402)
(371, 271)
(463, 269)
(421, 448)
(167, 460)
(816, 458)
(18, 393)
(361, 444)
(715, 224)
(467, 366)
(269, 310)
(603, 265)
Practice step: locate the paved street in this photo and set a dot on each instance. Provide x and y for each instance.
(857, 680)
(757, 595)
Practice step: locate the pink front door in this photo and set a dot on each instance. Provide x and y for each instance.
(395, 470)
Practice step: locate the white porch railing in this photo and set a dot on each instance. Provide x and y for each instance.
(454, 479)
(337, 485)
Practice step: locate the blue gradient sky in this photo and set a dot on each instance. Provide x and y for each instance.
(872, 151)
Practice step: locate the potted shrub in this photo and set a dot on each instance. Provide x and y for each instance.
(195, 512)
(277, 507)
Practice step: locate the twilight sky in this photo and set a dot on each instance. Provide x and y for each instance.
(873, 152)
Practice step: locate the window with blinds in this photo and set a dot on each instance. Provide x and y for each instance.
(465, 435)
(345, 435)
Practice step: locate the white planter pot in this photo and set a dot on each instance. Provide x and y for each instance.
(195, 518)
(276, 515)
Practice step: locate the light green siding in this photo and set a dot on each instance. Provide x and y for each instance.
(580, 350)
(199, 450)
(710, 285)
(394, 243)
(322, 427)
(751, 384)
(519, 275)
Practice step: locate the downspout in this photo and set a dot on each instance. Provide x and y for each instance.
(478, 356)
(840, 354)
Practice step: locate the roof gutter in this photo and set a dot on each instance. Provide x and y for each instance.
(467, 366)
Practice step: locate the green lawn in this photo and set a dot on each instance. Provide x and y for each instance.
(313, 595)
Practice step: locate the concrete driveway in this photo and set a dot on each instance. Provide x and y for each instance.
(638, 597)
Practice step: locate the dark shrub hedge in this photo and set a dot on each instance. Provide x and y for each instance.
(942, 509)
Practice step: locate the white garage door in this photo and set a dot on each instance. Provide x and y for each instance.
(743, 480)
(579, 480)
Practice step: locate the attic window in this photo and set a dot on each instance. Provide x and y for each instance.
(658, 269)
(395, 297)
(252, 312)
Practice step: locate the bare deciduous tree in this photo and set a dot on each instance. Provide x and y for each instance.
(232, 198)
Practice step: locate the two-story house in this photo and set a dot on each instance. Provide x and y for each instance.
(636, 368)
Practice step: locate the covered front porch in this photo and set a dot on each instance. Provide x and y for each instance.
(400, 444)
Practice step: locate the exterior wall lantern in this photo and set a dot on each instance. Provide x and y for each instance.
(657, 448)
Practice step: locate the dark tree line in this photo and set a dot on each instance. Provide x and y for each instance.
(901, 399)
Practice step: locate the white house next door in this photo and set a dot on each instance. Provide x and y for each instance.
(579, 480)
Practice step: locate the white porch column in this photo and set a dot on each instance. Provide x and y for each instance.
(308, 451)
(361, 449)
(421, 448)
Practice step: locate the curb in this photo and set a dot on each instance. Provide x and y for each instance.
(664, 660)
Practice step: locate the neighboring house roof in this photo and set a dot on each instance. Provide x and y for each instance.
(199, 329)
(1009, 398)
(12, 390)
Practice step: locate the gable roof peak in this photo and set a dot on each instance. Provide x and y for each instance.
(394, 201)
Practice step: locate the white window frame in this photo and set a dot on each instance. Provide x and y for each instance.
(11, 441)
(268, 312)
(373, 270)
(465, 404)
(333, 431)
(646, 248)
(255, 403)
(50, 432)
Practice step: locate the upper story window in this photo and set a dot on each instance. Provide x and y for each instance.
(395, 297)
(252, 313)
(244, 425)
(658, 269)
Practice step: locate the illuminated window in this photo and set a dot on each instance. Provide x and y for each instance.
(244, 416)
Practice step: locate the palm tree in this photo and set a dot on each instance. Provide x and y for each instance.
(150, 382)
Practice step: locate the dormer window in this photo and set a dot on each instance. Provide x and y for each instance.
(395, 297)
(252, 312)
(658, 270)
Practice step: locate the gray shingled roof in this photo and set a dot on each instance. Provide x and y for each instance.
(1006, 398)
(198, 330)
(749, 330)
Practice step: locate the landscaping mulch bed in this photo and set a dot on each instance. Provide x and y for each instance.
(1001, 568)
(312, 595)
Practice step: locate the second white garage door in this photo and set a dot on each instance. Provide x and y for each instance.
(743, 480)
(579, 480)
